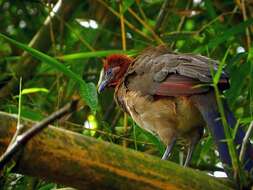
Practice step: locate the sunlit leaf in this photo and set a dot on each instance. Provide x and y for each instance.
(33, 90)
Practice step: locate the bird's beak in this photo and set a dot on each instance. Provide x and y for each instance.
(102, 83)
(106, 78)
(102, 86)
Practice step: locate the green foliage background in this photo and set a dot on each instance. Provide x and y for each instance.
(71, 65)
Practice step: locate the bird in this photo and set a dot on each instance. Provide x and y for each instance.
(171, 95)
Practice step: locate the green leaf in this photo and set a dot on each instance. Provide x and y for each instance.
(152, 138)
(26, 112)
(88, 93)
(238, 78)
(86, 55)
(246, 120)
(60, 67)
(210, 8)
(126, 4)
(49, 186)
(205, 148)
(33, 90)
(217, 75)
(5, 49)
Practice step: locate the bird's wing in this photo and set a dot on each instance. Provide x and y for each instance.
(157, 71)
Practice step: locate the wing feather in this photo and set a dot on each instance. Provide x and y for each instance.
(158, 71)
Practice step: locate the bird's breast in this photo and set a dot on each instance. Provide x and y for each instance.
(165, 117)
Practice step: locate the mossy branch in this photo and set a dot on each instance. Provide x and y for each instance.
(86, 163)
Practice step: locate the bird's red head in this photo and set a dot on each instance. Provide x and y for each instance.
(113, 70)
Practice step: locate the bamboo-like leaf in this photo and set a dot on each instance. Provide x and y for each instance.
(33, 90)
(89, 96)
(85, 55)
(217, 75)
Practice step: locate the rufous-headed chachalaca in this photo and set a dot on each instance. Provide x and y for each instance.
(170, 94)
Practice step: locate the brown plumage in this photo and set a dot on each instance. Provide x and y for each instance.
(155, 89)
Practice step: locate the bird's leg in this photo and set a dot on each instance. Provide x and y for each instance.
(169, 147)
(189, 154)
(193, 142)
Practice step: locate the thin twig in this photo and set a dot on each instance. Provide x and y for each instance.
(84, 42)
(123, 36)
(245, 141)
(181, 23)
(143, 15)
(161, 15)
(122, 26)
(156, 37)
(51, 30)
(26, 136)
(203, 28)
(247, 32)
(19, 125)
(131, 26)
(215, 19)
(79, 128)
(125, 124)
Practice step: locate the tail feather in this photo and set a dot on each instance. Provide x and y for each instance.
(206, 104)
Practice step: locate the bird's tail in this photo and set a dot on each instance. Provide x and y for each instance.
(208, 107)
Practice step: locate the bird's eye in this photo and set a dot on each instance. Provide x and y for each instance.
(109, 72)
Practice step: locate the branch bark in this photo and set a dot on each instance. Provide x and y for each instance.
(86, 163)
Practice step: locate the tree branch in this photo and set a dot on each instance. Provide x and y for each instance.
(86, 163)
